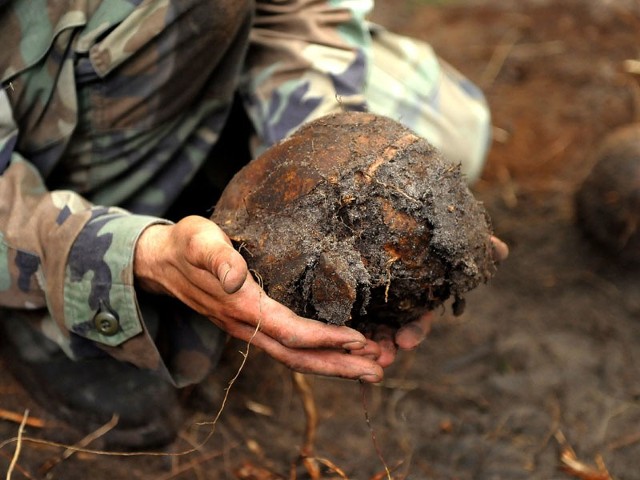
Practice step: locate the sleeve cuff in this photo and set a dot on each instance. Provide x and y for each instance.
(99, 296)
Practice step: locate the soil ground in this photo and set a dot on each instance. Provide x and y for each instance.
(545, 357)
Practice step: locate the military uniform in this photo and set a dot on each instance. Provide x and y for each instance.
(108, 109)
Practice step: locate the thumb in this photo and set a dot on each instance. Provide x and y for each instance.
(231, 270)
(210, 248)
(227, 264)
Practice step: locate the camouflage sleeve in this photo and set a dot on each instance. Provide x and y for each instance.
(61, 252)
(307, 58)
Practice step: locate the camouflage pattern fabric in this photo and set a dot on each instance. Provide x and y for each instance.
(107, 111)
(430, 96)
(303, 66)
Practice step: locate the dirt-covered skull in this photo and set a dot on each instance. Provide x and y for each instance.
(354, 219)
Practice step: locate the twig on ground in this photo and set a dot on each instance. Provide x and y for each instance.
(306, 456)
(258, 408)
(624, 441)
(192, 442)
(508, 187)
(558, 147)
(18, 468)
(49, 464)
(195, 463)
(570, 464)
(245, 356)
(500, 135)
(529, 51)
(310, 410)
(311, 414)
(333, 467)
(248, 471)
(499, 56)
(556, 415)
(373, 433)
(16, 453)
(384, 473)
(17, 418)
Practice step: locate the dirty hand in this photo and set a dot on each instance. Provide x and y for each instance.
(195, 262)
(385, 341)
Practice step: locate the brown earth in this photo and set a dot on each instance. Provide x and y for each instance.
(546, 356)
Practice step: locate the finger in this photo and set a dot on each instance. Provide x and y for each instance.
(371, 350)
(384, 337)
(334, 363)
(251, 305)
(500, 250)
(291, 330)
(412, 334)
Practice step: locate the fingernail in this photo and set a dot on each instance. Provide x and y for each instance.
(370, 378)
(225, 268)
(354, 345)
(410, 336)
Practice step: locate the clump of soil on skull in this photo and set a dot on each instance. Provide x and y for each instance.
(608, 201)
(356, 220)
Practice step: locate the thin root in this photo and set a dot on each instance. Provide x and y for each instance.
(311, 414)
(16, 453)
(86, 441)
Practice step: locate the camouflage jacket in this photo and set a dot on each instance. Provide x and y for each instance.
(107, 110)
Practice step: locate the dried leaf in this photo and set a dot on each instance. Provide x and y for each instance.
(574, 467)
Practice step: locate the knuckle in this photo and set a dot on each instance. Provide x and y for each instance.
(192, 246)
(290, 341)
